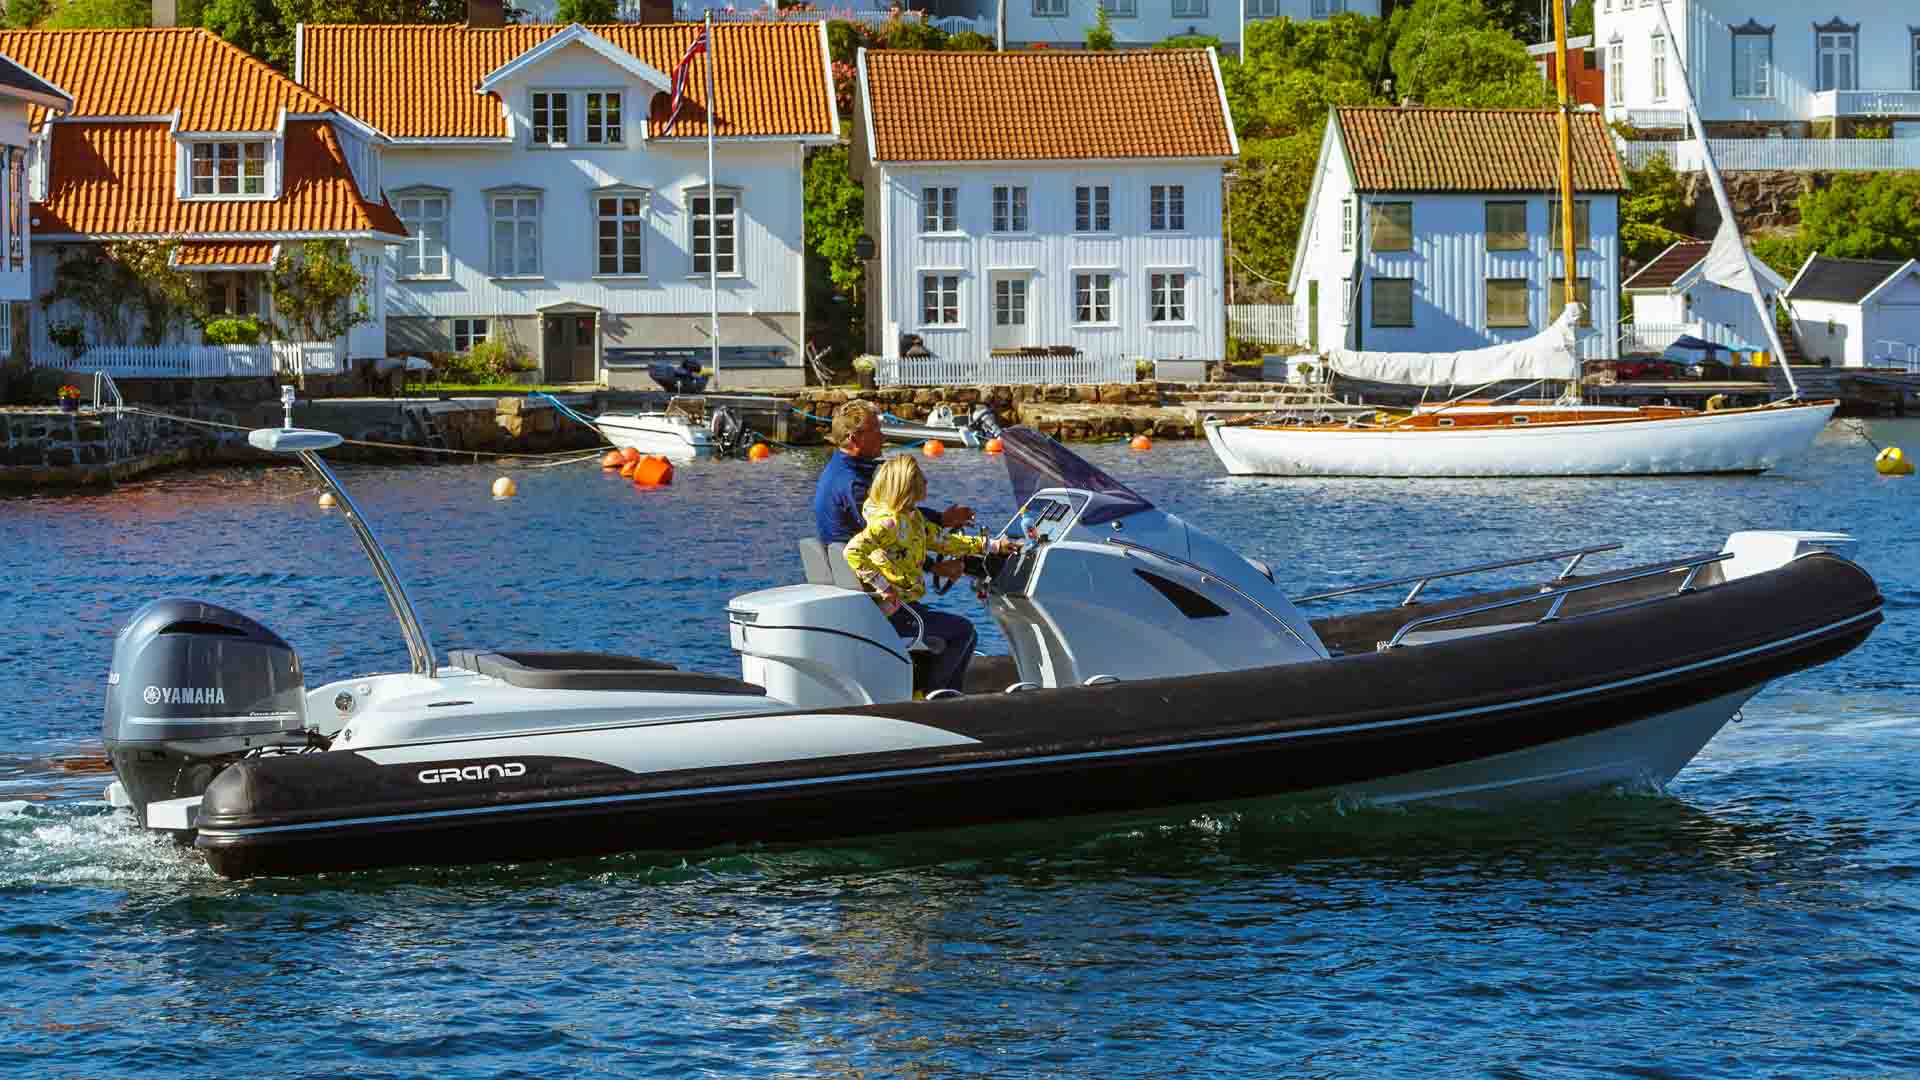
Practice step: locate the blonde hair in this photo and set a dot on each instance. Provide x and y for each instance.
(850, 418)
(898, 483)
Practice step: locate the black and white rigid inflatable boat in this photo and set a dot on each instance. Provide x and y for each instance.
(1151, 666)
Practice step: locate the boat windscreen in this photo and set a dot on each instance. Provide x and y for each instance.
(1035, 461)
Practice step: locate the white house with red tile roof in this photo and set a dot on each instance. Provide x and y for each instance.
(1431, 230)
(20, 91)
(1045, 200)
(1672, 296)
(207, 146)
(548, 204)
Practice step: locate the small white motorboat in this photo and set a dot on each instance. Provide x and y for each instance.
(941, 424)
(671, 435)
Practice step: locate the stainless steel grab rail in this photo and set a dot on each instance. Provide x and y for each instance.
(1214, 575)
(1559, 596)
(1420, 581)
(104, 382)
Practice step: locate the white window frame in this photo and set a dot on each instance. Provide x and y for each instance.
(1093, 208)
(1616, 73)
(612, 133)
(1582, 224)
(1657, 67)
(1189, 9)
(473, 332)
(1349, 218)
(1012, 209)
(1263, 9)
(1760, 88)
(1167, 205)
(1162, 277)
(540, 117)
(1346, 301)
(1049, 9)
(512, 268)
(734, 217)
(939, 210)
(414, 251)
(642, 216)
(1327, 9)
(6, 329)
(217, 151)
(1099, 282)
(1845, 42)
(949, 298)
(1121, 9)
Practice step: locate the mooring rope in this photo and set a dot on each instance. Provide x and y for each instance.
(569, 456)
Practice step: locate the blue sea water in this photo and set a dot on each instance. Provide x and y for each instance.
(1758, 917)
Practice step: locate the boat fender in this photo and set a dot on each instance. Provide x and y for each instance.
(1716, 402)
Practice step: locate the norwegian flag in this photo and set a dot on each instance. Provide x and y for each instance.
(681, 72)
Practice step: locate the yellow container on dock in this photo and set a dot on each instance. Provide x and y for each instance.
(1761, 359)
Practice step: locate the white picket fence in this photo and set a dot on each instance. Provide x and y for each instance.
(1652, 337)
(205, 361)
(1265, 324)
(1813, 155)
(1005, 371)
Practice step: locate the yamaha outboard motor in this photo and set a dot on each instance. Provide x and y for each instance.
(985, 422)
(193, 689)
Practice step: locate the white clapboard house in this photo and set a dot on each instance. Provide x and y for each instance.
(1431, 230)
(25, 97)
(1041, 200)
(1671, 295)
(547, 204)
(1857, 312)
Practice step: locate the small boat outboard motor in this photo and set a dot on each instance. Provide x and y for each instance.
(984, 422)
(194, 688)
(731, 437)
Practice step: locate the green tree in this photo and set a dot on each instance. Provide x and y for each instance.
(1785, 251)
(1655, 211)
(1579, 18)
(113, 283)
(835, 210)
(250, 25)
(1296, 71)
(1189, 41)
(587, 12)
(969, 41)
(1451, 52)
(1864, 216)
(1267, 202)
(1100, 34)
(99, 15)
(316, 290)
(846, 38)
(26, 14)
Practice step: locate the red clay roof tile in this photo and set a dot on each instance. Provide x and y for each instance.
(1417, 149)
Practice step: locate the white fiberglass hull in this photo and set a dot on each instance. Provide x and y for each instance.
(672, 437)
(1714, 442)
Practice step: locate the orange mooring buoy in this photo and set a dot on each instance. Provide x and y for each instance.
(1141, 442)
(993, 447)
(613, 460)
(629, 455)
(759, 452)
(651, 471)
(626, 467)
(934, 448)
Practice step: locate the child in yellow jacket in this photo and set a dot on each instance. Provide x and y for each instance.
(887, 556)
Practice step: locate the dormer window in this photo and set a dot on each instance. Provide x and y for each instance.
(228, 169)
(549, 118)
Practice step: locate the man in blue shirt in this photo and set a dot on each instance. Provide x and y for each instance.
(842, 489)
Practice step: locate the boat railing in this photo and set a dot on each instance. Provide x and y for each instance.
(1420, 581)
(103, 386)
(1558, 597)
(1211, 576)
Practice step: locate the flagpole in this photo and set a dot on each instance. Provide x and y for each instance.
(713, 220)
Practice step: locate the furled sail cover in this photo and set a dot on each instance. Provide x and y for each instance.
(1546, 355)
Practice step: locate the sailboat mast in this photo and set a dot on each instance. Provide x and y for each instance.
(1569, 274)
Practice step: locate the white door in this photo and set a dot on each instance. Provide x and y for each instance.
(1837, 59)
(1010, 310)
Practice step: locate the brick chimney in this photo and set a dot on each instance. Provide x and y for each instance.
(165, 13)
(481, 14)
(656, 11)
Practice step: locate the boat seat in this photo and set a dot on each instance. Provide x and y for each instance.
(813, 562)
(842, 573)
(594, 671)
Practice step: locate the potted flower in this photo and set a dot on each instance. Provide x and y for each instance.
(69, 398)
(863, 370)
(1305, 370)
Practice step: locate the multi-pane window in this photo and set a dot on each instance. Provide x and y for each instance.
(1836, 56)
(1393, 301)
(1009, 208)
(424, 254)
(1093, 298)
(1189, 9)
(1752, 61)
(1347, 214)
(229, 293)
(1916, 60)
(516, 236)
(1121, 9)
(940, 299)
(715, 234)
(1325, 9)
(1616, 74)
(1010, 301)
(1049, 9)
(1582, 212)
(1167, 297)
(1507, 302)
(1093, 209)
(620, 223)
(1392, 226)
(1582, 295)
(467, 333)
(1167, 208)
(16, 202)
(602, 109)
(1263, 9)
(939, 210)
(1659, 67)
(229, 168)
(1506, 226)
(1346, 301)
(549, 118)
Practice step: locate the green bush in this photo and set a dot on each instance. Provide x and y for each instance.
(241, 331)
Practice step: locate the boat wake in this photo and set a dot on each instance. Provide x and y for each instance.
(73, 844)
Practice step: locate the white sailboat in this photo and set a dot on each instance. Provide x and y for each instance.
(1567, 438)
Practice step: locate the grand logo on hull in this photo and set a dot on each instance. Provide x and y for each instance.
(451, 775)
